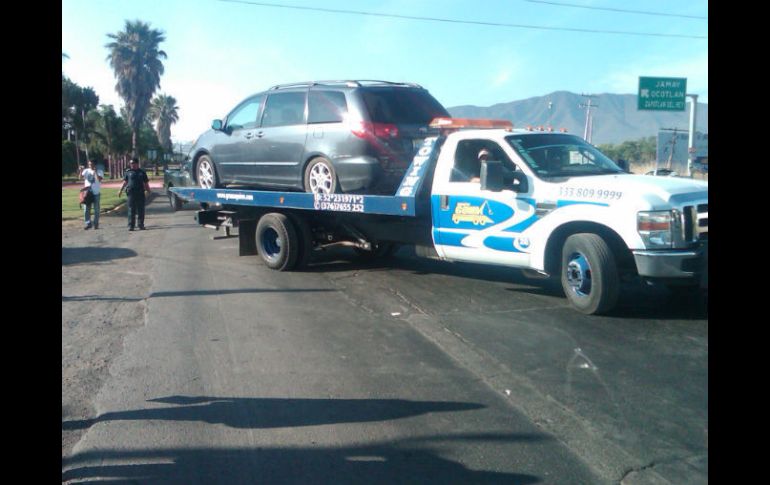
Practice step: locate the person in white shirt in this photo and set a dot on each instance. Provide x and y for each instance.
(93, 179)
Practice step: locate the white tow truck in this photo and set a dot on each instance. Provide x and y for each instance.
(542, 201)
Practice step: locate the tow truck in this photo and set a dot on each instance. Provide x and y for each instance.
(545, 202)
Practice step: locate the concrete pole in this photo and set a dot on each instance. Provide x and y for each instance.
(691, 140)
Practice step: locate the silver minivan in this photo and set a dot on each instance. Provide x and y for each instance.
(322, 136)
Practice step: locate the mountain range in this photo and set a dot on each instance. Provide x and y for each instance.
(615, 119)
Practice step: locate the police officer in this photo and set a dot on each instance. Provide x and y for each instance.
(135, 183)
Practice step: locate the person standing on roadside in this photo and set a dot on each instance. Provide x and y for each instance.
(93, 182)
(136, 184)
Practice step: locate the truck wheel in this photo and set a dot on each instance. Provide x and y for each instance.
(175, 202)
(207, 173)
(589, 275)
(277, 242)
(304, 239)
(320, 177)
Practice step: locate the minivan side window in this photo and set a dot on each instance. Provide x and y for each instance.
(326, 107)
(245, 116)
(283, 109)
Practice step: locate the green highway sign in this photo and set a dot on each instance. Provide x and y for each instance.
(662, 93)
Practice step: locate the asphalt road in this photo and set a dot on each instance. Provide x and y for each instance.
(210, 368)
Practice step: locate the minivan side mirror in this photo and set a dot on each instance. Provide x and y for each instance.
(216, 125)
(623, 164)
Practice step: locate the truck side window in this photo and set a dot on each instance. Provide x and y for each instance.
(467, 167)
(466, 164)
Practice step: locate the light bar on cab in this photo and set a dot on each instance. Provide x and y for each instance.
(454, 123)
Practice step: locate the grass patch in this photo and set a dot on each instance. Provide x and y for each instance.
(70, 205)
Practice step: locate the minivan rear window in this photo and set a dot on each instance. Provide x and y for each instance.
(408, 106)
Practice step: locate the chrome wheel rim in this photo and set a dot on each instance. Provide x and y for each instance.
(320, 179)
(205, 174)
(579, 275)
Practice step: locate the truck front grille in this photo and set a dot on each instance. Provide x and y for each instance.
(695, 224)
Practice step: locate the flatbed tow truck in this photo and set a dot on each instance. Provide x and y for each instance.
(585, 221)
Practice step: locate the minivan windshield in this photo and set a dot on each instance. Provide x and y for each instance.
(402, 106)
(552, 155)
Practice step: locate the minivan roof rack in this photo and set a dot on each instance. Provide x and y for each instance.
(349, 83)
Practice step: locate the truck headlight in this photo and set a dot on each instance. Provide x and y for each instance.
(656, 228)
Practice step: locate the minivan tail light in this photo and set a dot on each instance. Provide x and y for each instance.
(363, 129)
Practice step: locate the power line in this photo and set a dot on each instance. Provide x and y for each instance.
(472, 22)
(619, 10)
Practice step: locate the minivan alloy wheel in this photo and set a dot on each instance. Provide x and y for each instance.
(205, 174)
(320, 177)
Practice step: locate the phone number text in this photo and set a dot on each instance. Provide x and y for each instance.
(590, 193)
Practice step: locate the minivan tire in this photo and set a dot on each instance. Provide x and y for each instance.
(206, 173)
(320, 177)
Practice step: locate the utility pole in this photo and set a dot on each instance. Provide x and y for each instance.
(691, 140)
(673, 148)
(588, 131)
(550, 115)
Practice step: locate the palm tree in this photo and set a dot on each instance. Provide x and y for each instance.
(165, 113)
(136, 60)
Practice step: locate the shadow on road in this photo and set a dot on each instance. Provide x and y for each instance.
(255, 413)
(407, 461)
(637, 300)
(78, 255)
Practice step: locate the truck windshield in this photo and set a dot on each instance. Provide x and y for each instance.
(552, 155)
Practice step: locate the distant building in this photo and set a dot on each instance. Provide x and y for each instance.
(669, 140)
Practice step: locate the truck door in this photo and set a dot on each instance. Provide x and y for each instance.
(470, 224)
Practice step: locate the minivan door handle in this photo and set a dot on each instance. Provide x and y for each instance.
(248, 135)
(260, 134)
(444, 200)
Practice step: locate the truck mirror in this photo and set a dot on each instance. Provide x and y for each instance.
(520, 183)
(492, 175)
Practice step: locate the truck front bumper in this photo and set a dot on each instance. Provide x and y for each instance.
(678, 264)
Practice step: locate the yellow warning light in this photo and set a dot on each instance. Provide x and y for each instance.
(469, 123)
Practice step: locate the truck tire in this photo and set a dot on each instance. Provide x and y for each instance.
(304, 239)
(277, 242)
(589, 274)
(320, 177)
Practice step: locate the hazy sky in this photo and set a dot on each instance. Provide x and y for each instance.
(220, 52)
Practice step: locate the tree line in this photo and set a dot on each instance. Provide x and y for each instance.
(635, 152)
(143, 123)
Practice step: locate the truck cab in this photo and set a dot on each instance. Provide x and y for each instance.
(553, 203)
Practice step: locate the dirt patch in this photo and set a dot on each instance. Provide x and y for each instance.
(105, 281)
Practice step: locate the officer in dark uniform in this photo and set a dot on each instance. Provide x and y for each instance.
(135, 183)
